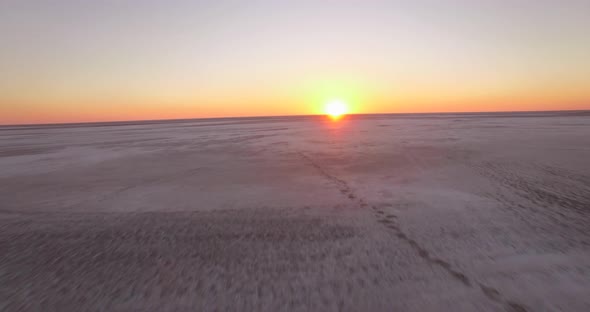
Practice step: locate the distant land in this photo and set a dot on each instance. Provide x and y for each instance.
(253, 119)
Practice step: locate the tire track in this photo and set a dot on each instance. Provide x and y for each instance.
(390, 221)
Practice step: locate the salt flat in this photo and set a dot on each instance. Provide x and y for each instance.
(450, 212)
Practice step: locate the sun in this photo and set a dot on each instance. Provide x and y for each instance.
(336, 108)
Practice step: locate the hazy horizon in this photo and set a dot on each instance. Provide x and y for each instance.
(163, 120)
(70, 61)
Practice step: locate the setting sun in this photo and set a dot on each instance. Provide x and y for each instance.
(336, 108)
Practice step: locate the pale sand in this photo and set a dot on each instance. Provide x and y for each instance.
(372, 213)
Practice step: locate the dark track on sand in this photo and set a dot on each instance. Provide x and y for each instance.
(391, 222)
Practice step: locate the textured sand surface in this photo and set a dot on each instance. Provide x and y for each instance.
(371, 213)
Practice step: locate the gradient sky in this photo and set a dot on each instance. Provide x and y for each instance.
(76, 60)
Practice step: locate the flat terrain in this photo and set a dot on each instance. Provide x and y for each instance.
(462, 212)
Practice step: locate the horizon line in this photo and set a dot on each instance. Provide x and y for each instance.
(165, 120)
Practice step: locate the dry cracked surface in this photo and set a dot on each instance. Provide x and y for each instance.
(370, 213)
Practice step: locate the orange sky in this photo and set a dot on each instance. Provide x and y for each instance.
(73, 61)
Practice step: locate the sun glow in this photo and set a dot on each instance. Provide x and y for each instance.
(336, 108)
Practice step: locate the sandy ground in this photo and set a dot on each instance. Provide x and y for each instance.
(373, 213)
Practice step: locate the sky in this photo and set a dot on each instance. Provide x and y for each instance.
(76, 60)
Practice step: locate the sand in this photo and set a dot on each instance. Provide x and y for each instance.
(449, 212)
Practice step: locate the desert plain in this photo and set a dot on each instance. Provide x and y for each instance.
(425, 212)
